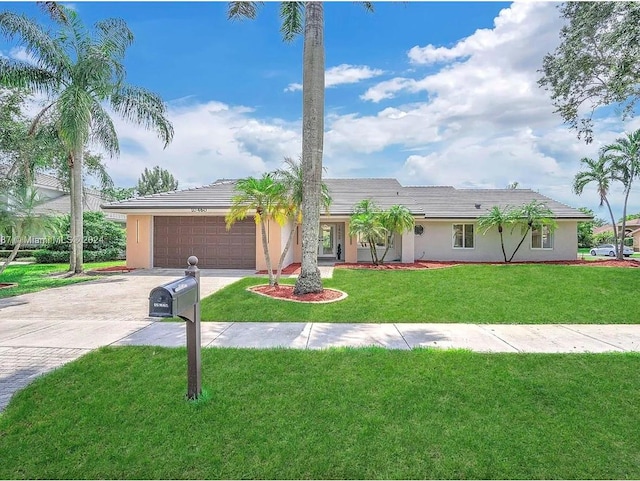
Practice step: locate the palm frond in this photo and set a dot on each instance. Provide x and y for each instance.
(95, 167)
(56, 12)
(241, 10)
(47, 52)
(73, 117)
(114, 36)
(291, 14)
(103, 132)
(18, 74)
(143, 108)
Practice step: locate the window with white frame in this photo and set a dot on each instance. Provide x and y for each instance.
(542, 238)
(463, 236)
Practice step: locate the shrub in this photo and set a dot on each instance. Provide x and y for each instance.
(20, 255)
(99, 234)
(46, 256)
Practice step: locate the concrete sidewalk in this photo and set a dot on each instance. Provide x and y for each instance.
(33, 347)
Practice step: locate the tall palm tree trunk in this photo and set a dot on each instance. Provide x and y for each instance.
(312, 144)
(620, 253)
(614, 224)
(77, 232)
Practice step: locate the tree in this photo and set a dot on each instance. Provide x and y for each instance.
(155, 181)
(313, 71)
(377, 226)
(624, 156)
(499, 218)
(585, 229)
(534, 215)
(119, 193)
(366, 223)
(293, 180)
(78, 72)
(266, 197)
(596, 63)
(396, 219)
(19, 216)
(601, 173)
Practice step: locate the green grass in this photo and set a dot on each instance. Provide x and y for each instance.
(509, 294)
(35, 277)
(334, 414)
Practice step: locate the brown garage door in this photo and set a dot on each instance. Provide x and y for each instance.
(176, 238)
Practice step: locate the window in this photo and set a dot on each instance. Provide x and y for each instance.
(463, 236)
(379, 241)
(542, 238)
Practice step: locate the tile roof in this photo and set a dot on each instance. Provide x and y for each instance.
(62, 205)
(424, 201)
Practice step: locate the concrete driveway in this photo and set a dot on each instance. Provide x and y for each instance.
(44, 330)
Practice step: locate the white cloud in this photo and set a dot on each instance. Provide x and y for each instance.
(342, 74)
(20, 53)
(212, 140)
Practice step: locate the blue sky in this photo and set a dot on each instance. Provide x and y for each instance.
(439, 93)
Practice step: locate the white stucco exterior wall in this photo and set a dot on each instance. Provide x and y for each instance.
(437, 244)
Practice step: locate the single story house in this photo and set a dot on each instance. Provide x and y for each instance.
(632, 229)
(164, 229)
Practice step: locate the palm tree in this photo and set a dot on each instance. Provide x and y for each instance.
(293, 180)
(266, 197)
(499, 218)
(624, 156)
(395, 219)
(534, 215)
(313, 69)
(366, 223)
(19, 217)
(79, 72)
(601, 173)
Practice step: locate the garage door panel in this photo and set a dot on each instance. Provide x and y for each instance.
(177, 238)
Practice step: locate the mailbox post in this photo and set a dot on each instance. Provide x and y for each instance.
(194, 370)
(182, 298)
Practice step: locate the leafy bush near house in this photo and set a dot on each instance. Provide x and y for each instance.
(99, 234)
(4, 253)
(45, 256)
(104, 240)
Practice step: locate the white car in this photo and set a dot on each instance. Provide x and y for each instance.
(610, 250)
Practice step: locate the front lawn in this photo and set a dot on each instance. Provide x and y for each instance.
(504, 294)
(35, 277)
(120, 413)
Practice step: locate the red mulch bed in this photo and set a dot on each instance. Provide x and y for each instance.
(441, 264)
(286, 271)
(398, 266)
(286, 292)
(115, 269)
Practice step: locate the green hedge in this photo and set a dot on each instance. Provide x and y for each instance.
(4, 253)
(44, 256)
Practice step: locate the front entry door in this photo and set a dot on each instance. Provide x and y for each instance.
(327, 241)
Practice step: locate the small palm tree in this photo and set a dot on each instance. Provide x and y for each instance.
(267, 198)
(292, 178)
(499, 218)
(19, 217)
(396, 219)
(624, 156)
(78, 72)
(534, 215)
(601, 173)
(366, 223)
